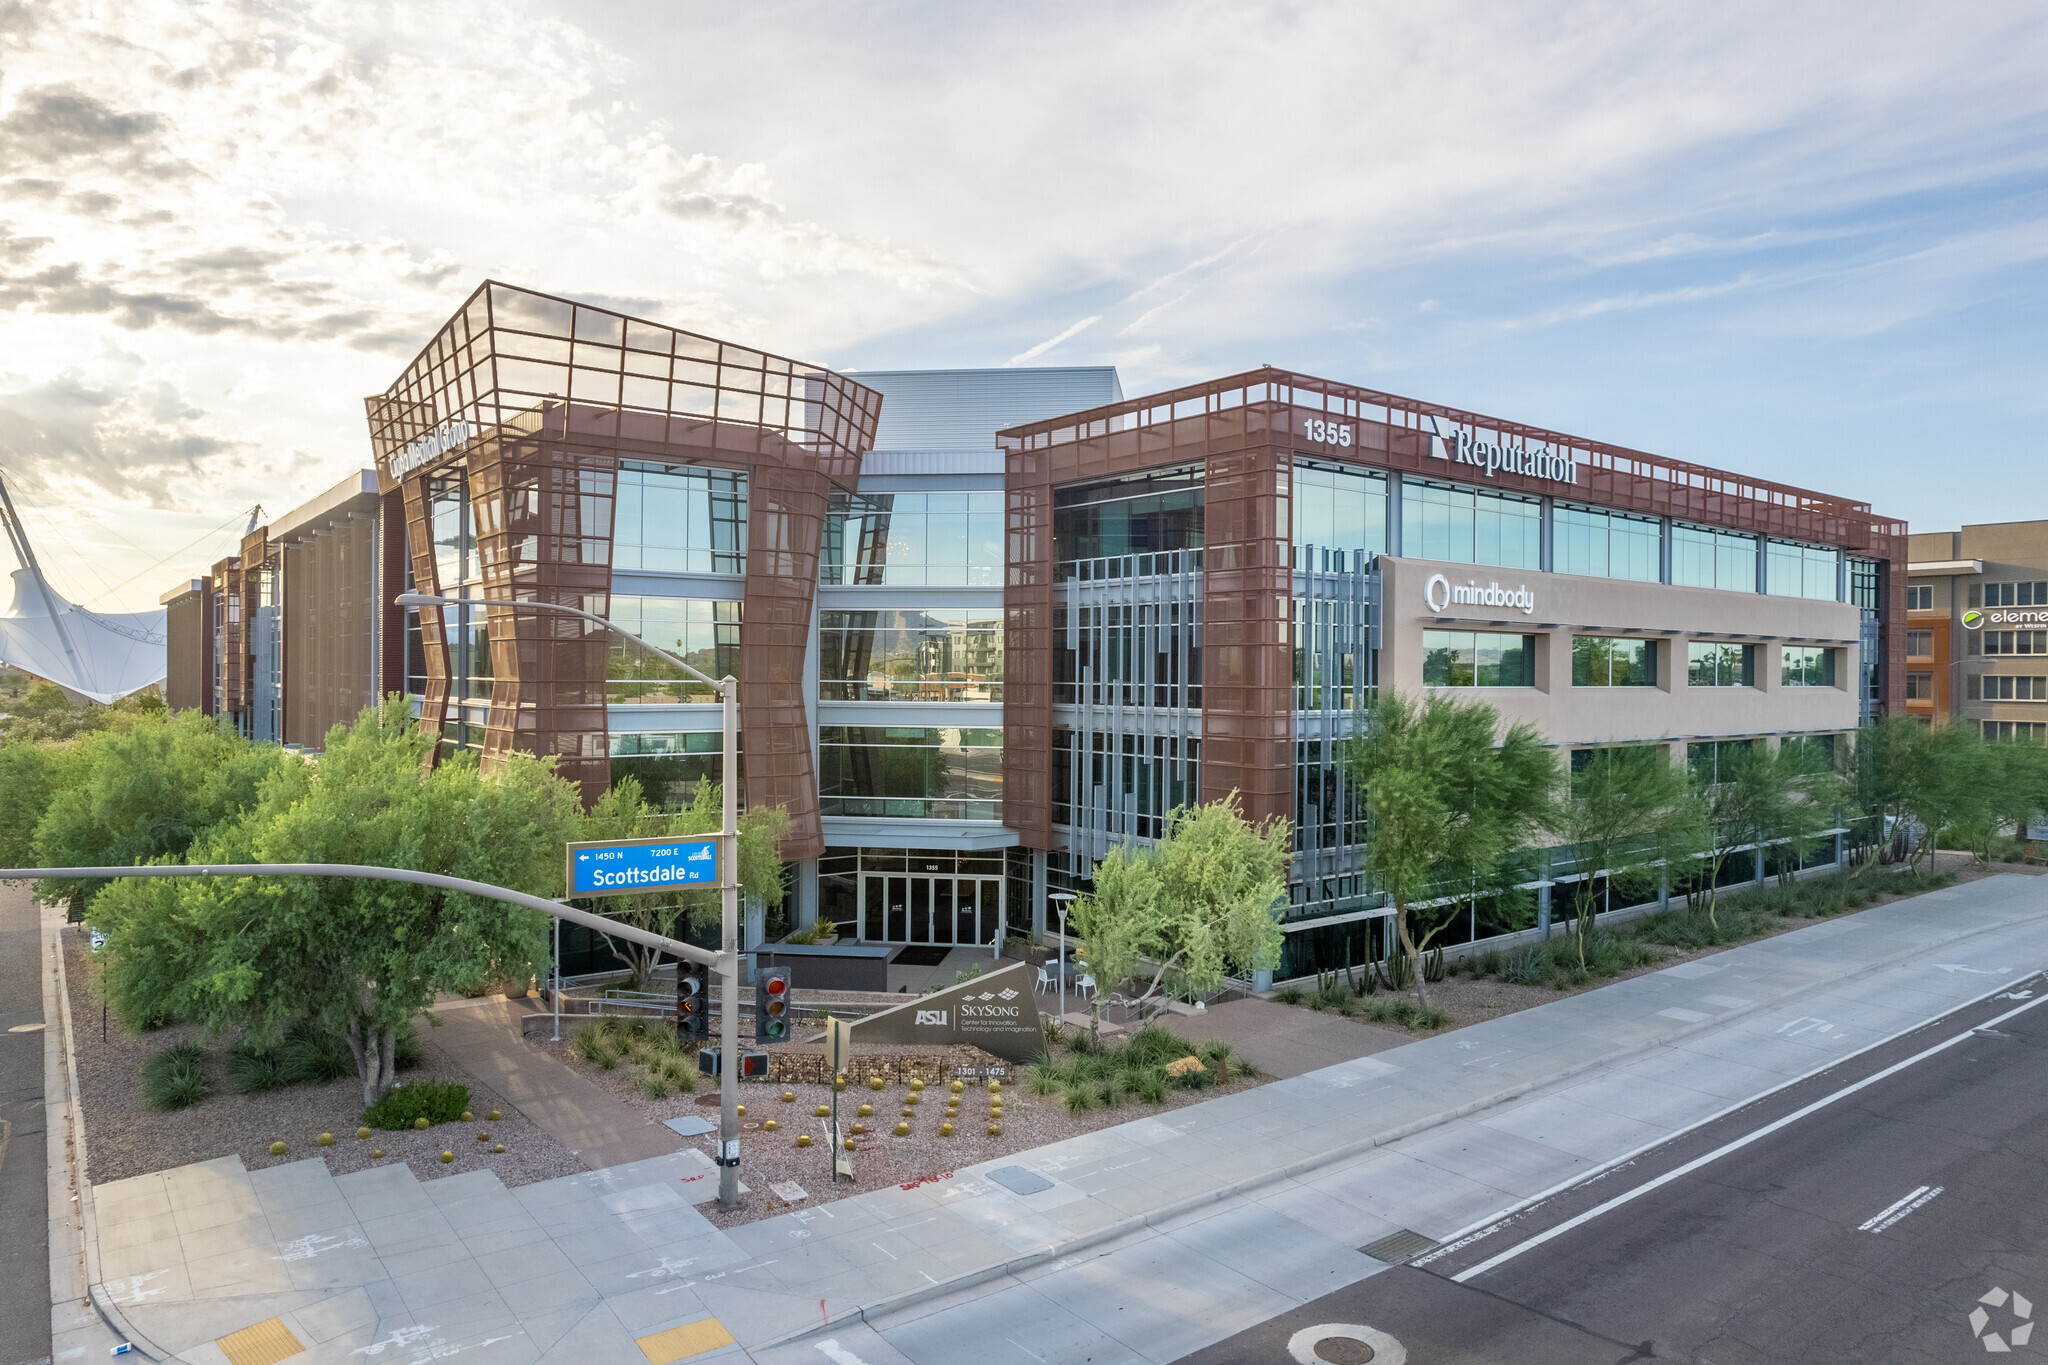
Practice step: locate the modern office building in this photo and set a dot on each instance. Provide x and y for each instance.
(1977, 628)
(988, 623)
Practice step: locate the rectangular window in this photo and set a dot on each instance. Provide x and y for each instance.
(1339, 509)
(1919, 644)
(913, 539)
(1601, 544)
(1156, 512)
(1919, 687)
(1920, 597)
(2010, 687)
(1610, 661)
(1801, 571)
(1464, 658)
(670, 766)
(1709, 760)
(1470, 526)
(1706, 558)
(681, 519)
(2023, 594)
(910, 772)
(1807, 666)
(1710, 664)
(2015, 641)
(1812, 752)
(2034, 730)
(704, 633)
(954, 655)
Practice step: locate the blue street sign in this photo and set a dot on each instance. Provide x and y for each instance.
(624, 867)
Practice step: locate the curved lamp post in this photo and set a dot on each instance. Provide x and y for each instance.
(727, 961)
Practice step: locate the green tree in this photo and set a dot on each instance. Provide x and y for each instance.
(624, 813)
(1951, 785)
(1205, 896)
(50, 713)
(2021, 790)
(1880, 781)
(1446, 801)
(361, 958)
(1628, 815)
(145, 790)
(31, 774)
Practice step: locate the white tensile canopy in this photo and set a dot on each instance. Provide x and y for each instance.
(100, 655)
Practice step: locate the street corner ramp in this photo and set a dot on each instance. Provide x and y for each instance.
(1411, 1316)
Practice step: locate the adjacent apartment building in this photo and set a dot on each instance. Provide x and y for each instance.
(989, 623)
(1977, 628)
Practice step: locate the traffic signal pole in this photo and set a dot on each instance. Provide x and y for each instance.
(729, 963)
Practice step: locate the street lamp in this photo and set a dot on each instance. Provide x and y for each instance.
(727, 689)
(1062, 899)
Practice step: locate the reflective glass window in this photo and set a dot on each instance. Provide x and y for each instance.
(681, 519)
(1465, 658)
(1807, 666)
(704, 633)
(910, 772)
(1613, 661)
(1793, 570)
(1339, 509)
(1706, 558)
(1600, 544)
(1470, 526)
(940, 655)
(913, 539)
(1150, 513)
(1712, 664)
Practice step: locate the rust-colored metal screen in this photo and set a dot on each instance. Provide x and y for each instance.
(188, 653)
(390, 579)
(329, 629)
(785, 521)
(1247, 591)
(543, 513)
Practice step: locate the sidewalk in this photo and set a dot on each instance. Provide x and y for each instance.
(1140, 1242)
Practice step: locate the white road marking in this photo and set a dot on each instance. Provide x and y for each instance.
(1909, 1204)
(1738, 1144)
(1952, 968)
(837, 1354)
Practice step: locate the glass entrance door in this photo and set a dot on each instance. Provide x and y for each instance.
(944, 911)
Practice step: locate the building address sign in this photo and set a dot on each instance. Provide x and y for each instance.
(1460, 445)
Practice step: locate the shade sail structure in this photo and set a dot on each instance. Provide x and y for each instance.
(101, 655)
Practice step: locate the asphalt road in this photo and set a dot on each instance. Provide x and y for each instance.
(24, 1204)
(1864, 1231)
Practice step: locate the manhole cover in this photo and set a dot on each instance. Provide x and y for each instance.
(1345, 1343)
(1399, 1247)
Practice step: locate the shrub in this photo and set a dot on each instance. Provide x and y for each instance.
(1530, 966)
(434, 1101)
(1290, 995)
(1079, 1095)
(253, 1070)
(175, 1078)
(406, 1051)
(313, 1056)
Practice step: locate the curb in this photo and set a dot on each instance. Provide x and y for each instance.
(75, 1256)
(867, 1313)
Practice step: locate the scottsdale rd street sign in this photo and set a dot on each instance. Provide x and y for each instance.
(628, 867)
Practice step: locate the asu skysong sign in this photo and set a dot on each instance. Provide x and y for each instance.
(997, 1013)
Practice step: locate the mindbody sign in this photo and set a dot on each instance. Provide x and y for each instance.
(997, 1013)
(626, 867)
(1440, 593)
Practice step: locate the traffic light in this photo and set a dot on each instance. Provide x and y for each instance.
(693, 1001)
(771, 1005)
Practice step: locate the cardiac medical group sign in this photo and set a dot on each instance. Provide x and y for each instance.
(626, 867)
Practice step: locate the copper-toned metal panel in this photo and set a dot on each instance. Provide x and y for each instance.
(330, 620)
(785, 522)
(390, 579)
(1247, 667)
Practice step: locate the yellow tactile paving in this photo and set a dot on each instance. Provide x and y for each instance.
(680, 1343)
(264, 1344)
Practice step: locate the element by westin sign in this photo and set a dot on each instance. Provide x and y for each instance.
(626, 867)
(442, 439)
(1460, 446)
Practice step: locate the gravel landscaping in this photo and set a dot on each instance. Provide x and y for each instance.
(124, 1137)
(880, 1158)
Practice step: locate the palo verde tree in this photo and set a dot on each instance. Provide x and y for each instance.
(1204, 897)
(359, 958)
(623, 813)
(1445, 799)
(1627, 815)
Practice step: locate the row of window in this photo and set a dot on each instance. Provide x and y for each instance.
(2035, 730)
(2034, 593)
(1984, 687)
(1463, 658)
(2011, 641)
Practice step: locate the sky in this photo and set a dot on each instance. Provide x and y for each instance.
(1803, 242)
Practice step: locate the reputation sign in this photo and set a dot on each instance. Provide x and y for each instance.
(626, 867)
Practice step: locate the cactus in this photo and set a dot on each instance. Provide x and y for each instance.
(1433, 965)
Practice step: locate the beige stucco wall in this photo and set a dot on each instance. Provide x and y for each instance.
(1568, 605)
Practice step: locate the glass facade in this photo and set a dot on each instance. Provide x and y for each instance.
(913, 540)
(1148, 513)
(1470, 526)
(1708, 760)
(911, 655)
(1101, 660)
(1709, 664)
(1465, 658)
(704, 633)
(670, 766)
(1610, 661)
(1795, 570)
(1706, 558)
(1606, 544)
(1128, 782)
(680, 519)
(914, 772)
(1807, 666)
(1338, 508)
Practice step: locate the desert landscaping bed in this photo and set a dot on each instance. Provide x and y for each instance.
(124, 1137)
(880, 1158)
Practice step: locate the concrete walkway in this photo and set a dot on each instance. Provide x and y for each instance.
(484, 1038)
(1285, 1040)
(1140, 1242)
